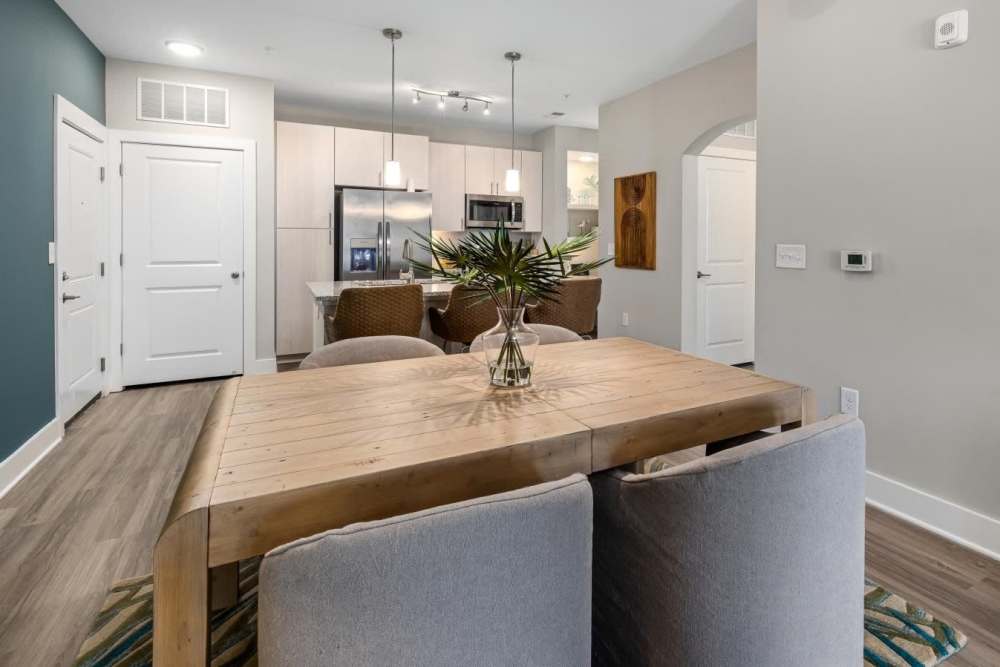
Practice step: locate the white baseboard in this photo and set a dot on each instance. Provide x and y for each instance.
(24, 458)
(261, 366)
(953, 522)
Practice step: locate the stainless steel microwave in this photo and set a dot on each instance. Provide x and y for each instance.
(491, 211)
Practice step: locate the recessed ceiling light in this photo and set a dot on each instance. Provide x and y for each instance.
(185, 49)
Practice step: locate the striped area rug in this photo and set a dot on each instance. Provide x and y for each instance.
(896, 632)
(122, 634)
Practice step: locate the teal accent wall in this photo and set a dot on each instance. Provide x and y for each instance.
(42, 53)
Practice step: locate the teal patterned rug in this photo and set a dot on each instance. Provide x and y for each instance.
(896, 632)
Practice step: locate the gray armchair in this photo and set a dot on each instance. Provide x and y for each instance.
(500, 580)
(754, 556)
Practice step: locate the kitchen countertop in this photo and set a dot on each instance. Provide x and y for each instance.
(329, 292)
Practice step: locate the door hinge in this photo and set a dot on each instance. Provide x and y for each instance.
(102, 174)
(121, 169)
(121, 259)
(102, 269)
(104, 364)
(121, 349)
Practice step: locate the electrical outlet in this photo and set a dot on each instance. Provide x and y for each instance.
(611, 250)
(52, 252)
(625, 319)
(850, 401)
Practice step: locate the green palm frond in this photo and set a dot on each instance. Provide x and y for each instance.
(509, 272)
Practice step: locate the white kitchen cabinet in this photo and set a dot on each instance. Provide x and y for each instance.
(479, 178)
(358, 158)
(447, 183)
(531, 189)
(303, 255)
(413, 154)
(304, 175)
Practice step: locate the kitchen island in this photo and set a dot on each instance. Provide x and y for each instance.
(326, 294)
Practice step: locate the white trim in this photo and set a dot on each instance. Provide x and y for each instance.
(69, 115)
(25, 457)
(117, 139)
(262, 366)
(689, 253)
(730, 153)
(953, 522)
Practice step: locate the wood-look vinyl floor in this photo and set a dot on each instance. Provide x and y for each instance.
(89, 514)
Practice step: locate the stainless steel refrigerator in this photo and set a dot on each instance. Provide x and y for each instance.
(375, 232)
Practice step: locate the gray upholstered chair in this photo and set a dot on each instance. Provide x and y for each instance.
(548, 334)
(369, 350)
(500, 580)
(754, 556)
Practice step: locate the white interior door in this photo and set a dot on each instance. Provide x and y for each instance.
(80, 239)
(182, 241)
(727, 226)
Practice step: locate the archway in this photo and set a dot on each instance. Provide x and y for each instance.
(718, 237)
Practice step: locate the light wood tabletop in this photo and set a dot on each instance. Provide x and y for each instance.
(284, 456)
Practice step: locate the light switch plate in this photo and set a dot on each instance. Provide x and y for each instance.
(790, 256)
(52, 252)
(611, 250)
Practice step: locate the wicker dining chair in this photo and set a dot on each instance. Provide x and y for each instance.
(392, 310)
(575, 308)
(465, 317)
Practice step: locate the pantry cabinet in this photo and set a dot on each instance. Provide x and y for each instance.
(447, 183)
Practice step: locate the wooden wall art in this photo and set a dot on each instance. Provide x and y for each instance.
(635, 221)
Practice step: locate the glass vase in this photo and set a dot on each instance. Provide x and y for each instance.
(510, 349)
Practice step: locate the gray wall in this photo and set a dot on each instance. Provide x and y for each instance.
(251, 105)
(650, 130)
(554, 142)
(872, 139)
(42, 53)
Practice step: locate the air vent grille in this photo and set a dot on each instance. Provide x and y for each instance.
(190, 104)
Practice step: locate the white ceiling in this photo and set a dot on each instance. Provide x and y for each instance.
(331, 52)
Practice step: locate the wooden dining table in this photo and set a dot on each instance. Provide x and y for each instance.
(288, 455)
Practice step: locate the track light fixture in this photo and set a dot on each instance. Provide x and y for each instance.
(445, 95)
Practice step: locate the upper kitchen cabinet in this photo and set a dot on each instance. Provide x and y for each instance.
(531, 189)
(413, 154)
(479, 171)
(447, 187)
(305, 175)
(358, 158)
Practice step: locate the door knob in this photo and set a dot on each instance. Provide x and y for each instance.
(704, 275)
(234, 275)
(69, 297)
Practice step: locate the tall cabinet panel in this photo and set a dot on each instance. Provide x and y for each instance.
(448, 187)
(303, 255)
(412, 153)
(358, 160)
(304, 175)
(479, 170)
(531, 189)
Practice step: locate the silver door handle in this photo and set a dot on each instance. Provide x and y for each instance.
(69, 297)
(704, 275)
(234, 275)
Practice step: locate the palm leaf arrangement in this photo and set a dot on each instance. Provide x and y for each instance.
(510, 273)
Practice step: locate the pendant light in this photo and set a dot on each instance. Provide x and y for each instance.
(512, 182)
(392, 173)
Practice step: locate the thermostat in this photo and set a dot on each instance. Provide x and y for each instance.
(856, 260)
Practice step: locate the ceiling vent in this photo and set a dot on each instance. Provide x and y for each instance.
(185, 103)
